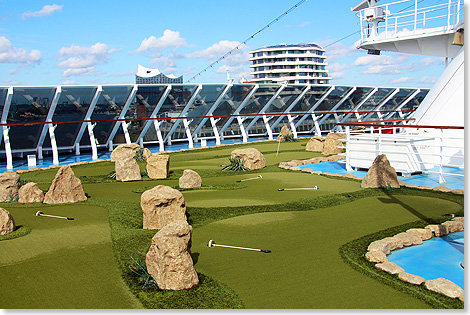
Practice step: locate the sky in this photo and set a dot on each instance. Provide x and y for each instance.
(65, 42)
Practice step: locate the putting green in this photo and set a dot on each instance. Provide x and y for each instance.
(62, 263)
(264, 191)
(304, 269)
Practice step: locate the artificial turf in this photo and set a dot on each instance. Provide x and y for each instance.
(305, 230)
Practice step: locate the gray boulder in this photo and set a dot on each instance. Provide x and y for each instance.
(390, 267)
(445, 287)
(65, 187)
(9, 185)
(124, 151)
(162, 205)
(252, 158)
(168, 259)
(333, 142)
(158, 166)
(408, 277)
(284, 132)
(127, 169)
(30, 192)
(376, 256)
(190, 179)
(315, 144)
(7, 224)
(425, 234)
(381, 174)
(409, 239)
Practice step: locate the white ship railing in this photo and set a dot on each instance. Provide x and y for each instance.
(408, 17)
(420, 149)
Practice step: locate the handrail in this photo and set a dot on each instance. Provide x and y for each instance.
(403, 126)
(198, 117)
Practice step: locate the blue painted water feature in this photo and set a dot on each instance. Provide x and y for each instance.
(439, 257)
(430, 179)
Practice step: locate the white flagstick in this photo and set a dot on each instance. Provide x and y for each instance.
(278, 145)
(242, 180)
(40, 214)
(213, 244)
(312, 188)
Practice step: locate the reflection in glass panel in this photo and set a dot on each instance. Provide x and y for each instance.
(72, 105)
(109, 106)
(309, 100)
(256, 104)
(173, 106)
(28, 105)
(230, 103)
(142, 106)
(282, 103)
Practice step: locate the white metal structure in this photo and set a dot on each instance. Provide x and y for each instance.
(412, 27)
(295, 64)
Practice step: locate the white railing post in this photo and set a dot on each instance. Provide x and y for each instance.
(441, 151)
(348, 159)
(416, 16)
(448, 15)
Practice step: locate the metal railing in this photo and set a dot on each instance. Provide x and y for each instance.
(435, 147)
(410, 18)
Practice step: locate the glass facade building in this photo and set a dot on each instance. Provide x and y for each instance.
(55, 119)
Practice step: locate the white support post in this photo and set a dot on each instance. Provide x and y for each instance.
(94, 150)
(6, 108)
(85, 124)
(348, 149)
(268, 128)
(124, 110)
(402, 105)
(288, 109)
(125, 125)
(292, 126)
(55, 152)
(212, 109)
(161, 143)
(49, 116)
(242, 129)
(312, 109)
(381, 104)
(316, 126)
(154, 115)
(263, 110)
(214, 130)
(188, 133)
(350, 92)
(237, 111)
(183, 114)
(6, 140)
(372, 92)
(441, 152)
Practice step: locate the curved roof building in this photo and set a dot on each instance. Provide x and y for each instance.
(296, 64)
(154, 76)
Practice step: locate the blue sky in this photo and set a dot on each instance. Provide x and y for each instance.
(102, 42)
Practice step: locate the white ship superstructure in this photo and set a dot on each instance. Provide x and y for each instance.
(434, 136)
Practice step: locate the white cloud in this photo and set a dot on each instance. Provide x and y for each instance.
(169, 39)
(337, 51)
(403, 80)
(383, 69)
(46, 10)
(429, 61)
(69, 82)
(383, 64)
(428, 80)
(306, 23)
(11, 54)
(11, 82)
(78, 72)
(218, 50)
(81, 61)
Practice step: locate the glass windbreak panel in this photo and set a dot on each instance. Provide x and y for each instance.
(72, 105)
(411, 106)
(145, 101)
(352, 102)
(256, 103)
(307, 102)
(203, 102)
(173, 106)
(282, 103)
(397, 100)
(109, 106)
(333, 99)
(374, 101)
(230, 103)
(3, 97)
(28, 105)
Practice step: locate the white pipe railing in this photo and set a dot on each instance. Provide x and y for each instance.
(446, 16)
(440, 148)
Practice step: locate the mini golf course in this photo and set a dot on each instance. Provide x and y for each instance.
(317, 239)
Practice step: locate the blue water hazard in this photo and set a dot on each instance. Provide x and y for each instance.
(456, 181)
(439, 257)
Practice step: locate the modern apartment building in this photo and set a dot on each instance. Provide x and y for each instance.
(154, 76)
(296, 64)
